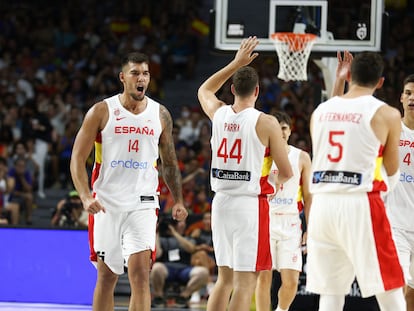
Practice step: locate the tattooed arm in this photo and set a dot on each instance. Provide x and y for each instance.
(170, 171)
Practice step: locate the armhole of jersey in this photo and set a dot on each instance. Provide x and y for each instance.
(110, 116)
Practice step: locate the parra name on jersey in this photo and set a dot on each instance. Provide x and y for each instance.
(231, 127)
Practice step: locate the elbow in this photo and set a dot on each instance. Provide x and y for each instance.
(284, 176)
(200, 94)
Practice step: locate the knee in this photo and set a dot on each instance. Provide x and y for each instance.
(201, 273)
(290, 285)
(138, 275)
(107, 279)
(409, 294)
(264, 280)
(158, 271)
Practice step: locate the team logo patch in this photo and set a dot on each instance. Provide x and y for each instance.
(230, 175)
(337, 177)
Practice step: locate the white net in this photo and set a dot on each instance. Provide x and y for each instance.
(293, 50)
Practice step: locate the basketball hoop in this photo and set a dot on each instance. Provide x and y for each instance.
(293, 50)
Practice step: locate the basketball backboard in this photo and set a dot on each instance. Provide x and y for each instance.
(340, 25)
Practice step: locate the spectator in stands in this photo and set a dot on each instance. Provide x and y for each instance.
(21, 151)
(22, 193)
(9, 211)
(69, 212)
(201, 204)
(204, 240)
(64, 152)
(173, 264)
(37, 126)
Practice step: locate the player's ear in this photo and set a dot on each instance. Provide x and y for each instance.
(380, 83)
(256, 91)
(232, 89)
(121, 76)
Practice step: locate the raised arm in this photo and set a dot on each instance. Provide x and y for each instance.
(342, 73)
(207, 91)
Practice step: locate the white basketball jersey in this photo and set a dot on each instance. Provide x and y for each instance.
(289, 194)
(126, 153)
(400, 201)
(240, 162)
(347, 156)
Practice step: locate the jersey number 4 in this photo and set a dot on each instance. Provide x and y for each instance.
(407, 159)
(235, 150)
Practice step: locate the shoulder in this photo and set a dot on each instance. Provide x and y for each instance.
(388, 113)
(304, 158)
(266, 122)
(165, 116)
(99, 108)
(267, 118)
(96, 117)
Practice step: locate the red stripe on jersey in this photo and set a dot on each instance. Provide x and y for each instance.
(93, 256)
(95, 173)
(391, 271)
(98, 138)
(264, 257)
(265, 186)
(98, 161)
(378, 184)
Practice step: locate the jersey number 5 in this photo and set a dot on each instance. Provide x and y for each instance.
(337, 145)
(235, 150)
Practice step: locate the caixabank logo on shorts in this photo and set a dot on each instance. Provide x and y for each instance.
(337, 177)
(230, 175)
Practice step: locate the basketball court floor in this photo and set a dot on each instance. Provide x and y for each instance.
(8, 306)
(121, 304)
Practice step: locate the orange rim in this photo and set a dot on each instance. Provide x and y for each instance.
(296, 41)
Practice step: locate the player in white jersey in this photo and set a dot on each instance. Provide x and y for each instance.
(400, 201)
(244, 142)
(355, 147)
(291, 198)
(129, 132)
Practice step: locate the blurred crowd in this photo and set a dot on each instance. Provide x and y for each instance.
(56, 60)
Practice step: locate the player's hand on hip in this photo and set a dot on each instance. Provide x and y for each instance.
(245, 55)
(179, 212)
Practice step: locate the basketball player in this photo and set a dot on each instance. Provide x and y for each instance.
(244, 141)
(400, 201)
(129, 131)
(355, 145)
(286, 226)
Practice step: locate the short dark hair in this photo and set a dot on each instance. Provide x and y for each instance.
(283, 117)
(408, 79)
(367, 68)
(245, 81)
(134, 57)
